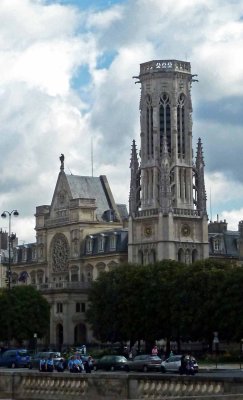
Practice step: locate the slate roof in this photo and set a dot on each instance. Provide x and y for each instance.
(89, 187)
(121, 242)
(229, 243)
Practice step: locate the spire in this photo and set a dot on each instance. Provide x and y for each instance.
(165, 189)
(134, 196)
(199, 179)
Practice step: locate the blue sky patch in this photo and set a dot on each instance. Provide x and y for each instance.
(85, 4)
(81, 78)
(106, 59)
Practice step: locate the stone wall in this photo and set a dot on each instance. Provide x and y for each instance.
(33, 385)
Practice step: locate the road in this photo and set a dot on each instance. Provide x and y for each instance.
(229, 371)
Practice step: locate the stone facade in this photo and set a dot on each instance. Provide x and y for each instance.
(79, 235)
(167, 203)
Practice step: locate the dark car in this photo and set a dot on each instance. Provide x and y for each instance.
(145, 362)
(112, 363)
(35, 359)
(15, 358)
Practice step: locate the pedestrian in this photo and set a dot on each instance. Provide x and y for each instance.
(60, 365)
(77, 364)
(88, 364)
(155, 351)
(183, 367)
(50, 364)
(70, 364)
(42, 365)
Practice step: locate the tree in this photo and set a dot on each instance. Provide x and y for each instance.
(168, 300)
(24, 311)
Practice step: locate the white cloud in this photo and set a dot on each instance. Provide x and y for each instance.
(44, 47)
(104, 19)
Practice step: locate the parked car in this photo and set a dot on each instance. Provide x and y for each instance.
(15, 358)
(35, 359)
(145, 362)
(112, 363)
(173, 364)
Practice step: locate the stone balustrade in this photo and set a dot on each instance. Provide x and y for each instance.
(33, 385)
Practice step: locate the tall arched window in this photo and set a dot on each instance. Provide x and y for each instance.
(149, 127)
(165, 121)
(181, 256)
(140, 257)
(181, 145)
(194, 255)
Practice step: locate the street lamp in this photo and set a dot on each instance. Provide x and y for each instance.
(11, 237)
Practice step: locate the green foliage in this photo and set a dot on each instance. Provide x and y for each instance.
(168, 300)
(24, 311)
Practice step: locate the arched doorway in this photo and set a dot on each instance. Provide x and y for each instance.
(59, 336)
(80, 334)
(181, 256)
(194, 255)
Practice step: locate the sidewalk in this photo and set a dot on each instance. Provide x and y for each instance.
(220, 366)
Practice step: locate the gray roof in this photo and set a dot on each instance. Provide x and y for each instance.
(89, 187)
(122, 208)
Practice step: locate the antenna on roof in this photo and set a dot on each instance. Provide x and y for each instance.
(69, 170)
(92, 160)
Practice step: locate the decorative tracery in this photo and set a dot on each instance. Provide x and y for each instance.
(60, 253)
(165, 121)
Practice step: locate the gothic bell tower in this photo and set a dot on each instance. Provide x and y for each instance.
(167, 202)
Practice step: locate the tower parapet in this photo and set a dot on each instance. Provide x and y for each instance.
(165, 66)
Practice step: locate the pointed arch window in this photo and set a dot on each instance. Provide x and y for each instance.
(149, 127)
(181, 139)
(165, 121)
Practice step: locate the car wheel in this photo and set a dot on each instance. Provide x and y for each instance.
(13, 365)
(145, 368)
(127, 369)
(112, 368)
(163, 370)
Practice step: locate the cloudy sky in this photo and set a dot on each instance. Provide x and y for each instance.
(66, 72)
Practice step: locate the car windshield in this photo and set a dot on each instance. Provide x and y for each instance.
(23, 353)
(155, 358)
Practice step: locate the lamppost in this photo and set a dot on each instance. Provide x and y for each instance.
(216, 346)
(11, 237)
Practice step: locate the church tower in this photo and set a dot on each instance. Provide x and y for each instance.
(168, 217)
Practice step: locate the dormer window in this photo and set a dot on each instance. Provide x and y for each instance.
(89, 244)
(101, 243)
(216, 245)
(113, 242)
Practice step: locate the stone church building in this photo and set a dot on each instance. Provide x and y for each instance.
(79, 235)
(84, 232)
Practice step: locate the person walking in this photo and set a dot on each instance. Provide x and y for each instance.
(50, 364)
(183, 367)
(42, 365)
(155, 351)
(60, 365)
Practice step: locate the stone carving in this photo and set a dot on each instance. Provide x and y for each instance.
(60, 253)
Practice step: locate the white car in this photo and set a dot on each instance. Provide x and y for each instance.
(173, 364)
